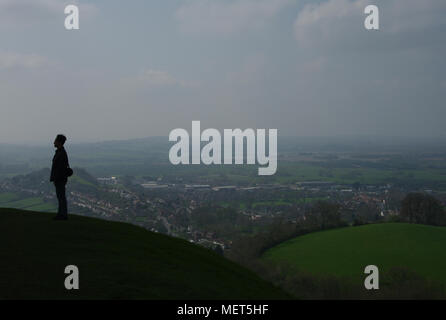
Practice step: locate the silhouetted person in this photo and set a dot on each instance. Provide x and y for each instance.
(59, 176)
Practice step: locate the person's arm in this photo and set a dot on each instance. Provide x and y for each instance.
(60, 163)
(53, 170)
(65, 160)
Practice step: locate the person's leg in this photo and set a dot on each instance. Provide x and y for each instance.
(61, 198)
(64, 209)
(58, 196)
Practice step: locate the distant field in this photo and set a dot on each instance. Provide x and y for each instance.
(11, 200)
(281, 202)
(345, 252)
(292, 172)
(295, 171)
(8, 197)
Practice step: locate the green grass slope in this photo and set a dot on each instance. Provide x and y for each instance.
(115, 261)
(345, 252)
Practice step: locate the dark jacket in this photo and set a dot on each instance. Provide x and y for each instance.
(60, 165)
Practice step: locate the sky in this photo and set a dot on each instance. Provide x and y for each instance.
(142, 68)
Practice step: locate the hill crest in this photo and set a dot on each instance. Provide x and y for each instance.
(116, 261)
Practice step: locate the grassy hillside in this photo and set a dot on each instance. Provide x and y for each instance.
(115, 261)
(345, 252)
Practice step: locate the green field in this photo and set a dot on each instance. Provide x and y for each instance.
(8, 197)
(289, 172)
(12, 200)
(345, 252)
(115, 261)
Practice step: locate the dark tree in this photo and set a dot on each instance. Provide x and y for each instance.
(325, 215)
(422, 208)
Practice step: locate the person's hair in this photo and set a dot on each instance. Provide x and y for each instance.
(61, 138)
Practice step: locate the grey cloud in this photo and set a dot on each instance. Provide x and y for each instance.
(10, 60)
(25, 13)
(226, 16)
(338, 24)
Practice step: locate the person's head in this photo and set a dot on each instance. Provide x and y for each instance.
(60, 141)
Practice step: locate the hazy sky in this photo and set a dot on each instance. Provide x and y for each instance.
(141, 68)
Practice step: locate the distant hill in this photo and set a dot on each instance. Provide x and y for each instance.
(345, 252)
(115, 261)
(40, 180)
